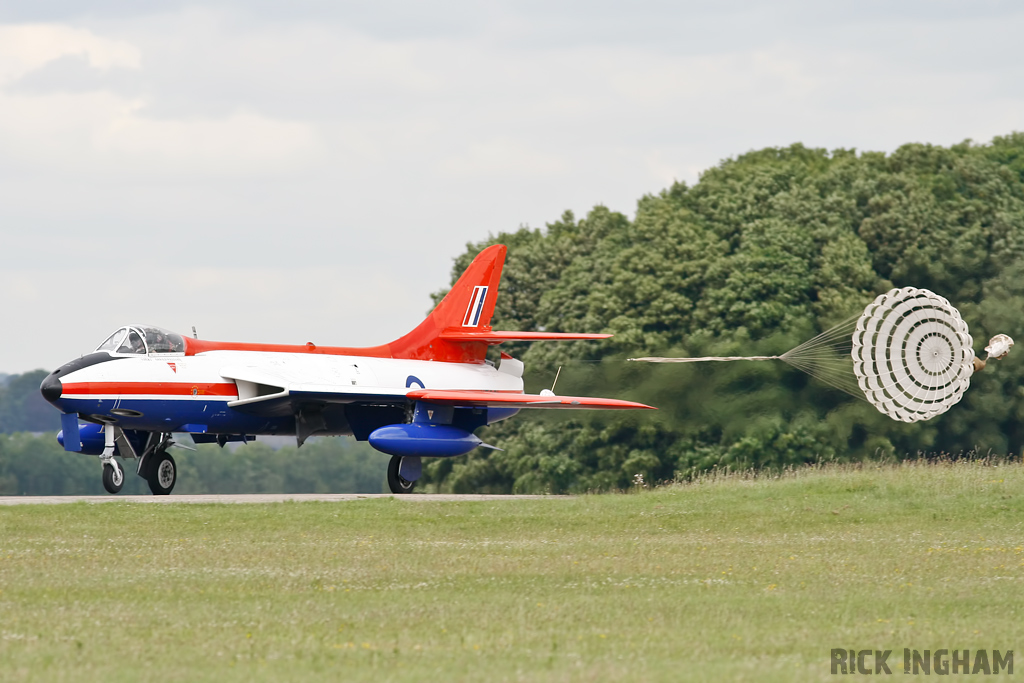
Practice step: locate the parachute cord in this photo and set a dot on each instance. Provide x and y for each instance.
(658, 359)
(825, 357)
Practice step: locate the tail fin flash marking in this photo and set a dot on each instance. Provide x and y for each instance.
(476, 307)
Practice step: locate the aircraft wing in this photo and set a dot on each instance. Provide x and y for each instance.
(275, 393)
(498, 399)
(269, 393)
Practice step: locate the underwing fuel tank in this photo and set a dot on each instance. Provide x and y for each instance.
(423, 440)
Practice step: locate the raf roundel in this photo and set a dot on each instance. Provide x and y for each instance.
(912, 354)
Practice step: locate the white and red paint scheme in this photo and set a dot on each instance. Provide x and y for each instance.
(145, 389)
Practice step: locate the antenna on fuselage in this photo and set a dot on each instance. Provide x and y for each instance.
(194, 335)
(557, 373)
(551, 391)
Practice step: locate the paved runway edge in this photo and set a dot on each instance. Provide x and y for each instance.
(269, 498)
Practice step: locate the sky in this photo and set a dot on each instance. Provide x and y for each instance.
(307, 171)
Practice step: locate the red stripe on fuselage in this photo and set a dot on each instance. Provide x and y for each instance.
(439, 350)
(196, 346)
(151, 388)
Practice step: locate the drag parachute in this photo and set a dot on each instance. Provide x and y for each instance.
(912, 354)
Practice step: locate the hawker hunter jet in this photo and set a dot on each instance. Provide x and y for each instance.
(145, 389)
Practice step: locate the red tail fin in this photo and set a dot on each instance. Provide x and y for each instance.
(468, 307)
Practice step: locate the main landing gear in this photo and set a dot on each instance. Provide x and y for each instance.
(396, 482)
(157, 466)
(161, 472)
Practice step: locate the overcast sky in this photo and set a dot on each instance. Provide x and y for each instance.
(306, 171)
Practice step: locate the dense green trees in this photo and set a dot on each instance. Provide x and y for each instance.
(37, 465)
(22, 408)
(765, 251)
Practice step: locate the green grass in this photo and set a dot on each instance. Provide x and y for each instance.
(730, 578)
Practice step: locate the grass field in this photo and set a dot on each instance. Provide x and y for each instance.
(731, 578)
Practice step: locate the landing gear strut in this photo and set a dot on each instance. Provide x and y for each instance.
(113, 475)
(396, 482)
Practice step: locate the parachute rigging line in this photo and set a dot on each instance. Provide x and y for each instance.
(825, 357)
(909, 354)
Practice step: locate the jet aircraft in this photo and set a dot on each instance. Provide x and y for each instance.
(145, 389)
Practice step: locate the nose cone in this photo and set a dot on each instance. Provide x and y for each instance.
(51, 388)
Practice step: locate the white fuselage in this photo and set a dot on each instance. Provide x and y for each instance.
(213, 389)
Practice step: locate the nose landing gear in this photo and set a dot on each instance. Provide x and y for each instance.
(113, 476)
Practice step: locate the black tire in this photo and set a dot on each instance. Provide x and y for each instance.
(162, 475)
(113, 478)
(395, 481)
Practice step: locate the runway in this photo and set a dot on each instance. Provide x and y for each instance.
(269, 498)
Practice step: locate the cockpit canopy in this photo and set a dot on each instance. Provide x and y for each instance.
(141, 340)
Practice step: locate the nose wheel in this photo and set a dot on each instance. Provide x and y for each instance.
(113, 476)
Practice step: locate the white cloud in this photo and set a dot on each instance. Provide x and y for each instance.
(503, 156)
(101, 132)
(26, 47)
(235, 144)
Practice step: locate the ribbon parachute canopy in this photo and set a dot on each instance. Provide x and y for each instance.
(912, 354)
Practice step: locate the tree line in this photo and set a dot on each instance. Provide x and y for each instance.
(22, 407)
(35, 465)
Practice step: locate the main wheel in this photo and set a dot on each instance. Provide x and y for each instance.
(113, 477)
(395, 481)
(162, 474)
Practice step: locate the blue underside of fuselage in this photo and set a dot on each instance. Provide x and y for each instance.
(216, 417)
(171, 415)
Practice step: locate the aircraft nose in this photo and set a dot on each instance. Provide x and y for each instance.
(51, 388)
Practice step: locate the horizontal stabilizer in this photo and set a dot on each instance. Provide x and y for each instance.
(498, 399)
(497, 337)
